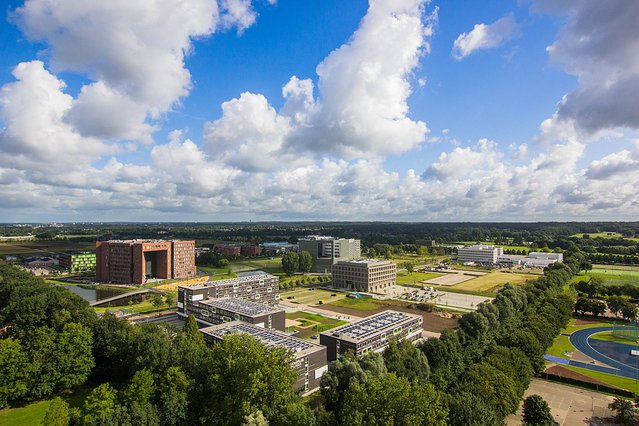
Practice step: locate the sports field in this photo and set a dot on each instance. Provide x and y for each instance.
(614, 274)
(271, 266)
(403, 277)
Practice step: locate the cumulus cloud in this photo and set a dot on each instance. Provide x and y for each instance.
(486, 36)
(133, 51)
(599, 45)
(361, 108)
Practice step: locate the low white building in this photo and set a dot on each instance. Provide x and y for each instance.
(479, 253)
(533, 259)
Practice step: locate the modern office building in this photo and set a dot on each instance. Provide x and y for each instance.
(218, 311)
(367, 275)
(479, 253)
(373, 333)
(260, 288)
(326, 251)
(136, 261)
(309, 358)
(78, 262)
(532, 260)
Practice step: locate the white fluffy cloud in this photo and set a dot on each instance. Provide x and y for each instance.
(599, 44)
(361, 108)
(485, 36)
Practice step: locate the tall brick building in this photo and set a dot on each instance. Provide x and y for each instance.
(136, 261)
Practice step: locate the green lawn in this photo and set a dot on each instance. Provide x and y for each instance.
(31, 414)
(612, 274)
(607, 336)
(618, 381)
(137, 308)
(599, 235)
(403, 277)
(366, 303)
(560, 346)
(311, 324)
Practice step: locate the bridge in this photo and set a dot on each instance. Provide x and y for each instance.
(124, 296)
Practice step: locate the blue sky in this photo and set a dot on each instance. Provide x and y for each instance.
(166, 112)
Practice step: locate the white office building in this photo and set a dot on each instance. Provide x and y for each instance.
(479, 253)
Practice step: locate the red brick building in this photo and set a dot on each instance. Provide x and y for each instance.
(251, 251)
(228, 250)
(136, 261)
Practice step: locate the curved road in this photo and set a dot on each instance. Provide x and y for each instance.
(579, 339)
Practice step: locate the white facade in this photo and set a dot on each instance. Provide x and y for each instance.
(479, 253)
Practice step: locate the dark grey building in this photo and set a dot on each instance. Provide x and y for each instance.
(371, 334)
(217, 311)
(309, 358)
(326, 251)
(260, 288)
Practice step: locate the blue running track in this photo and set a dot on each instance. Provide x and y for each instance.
(616, 353)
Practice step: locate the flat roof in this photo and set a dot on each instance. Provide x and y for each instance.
(359, 262)
(240, 306)
(267, 336)
(229, 281)
(376, 324)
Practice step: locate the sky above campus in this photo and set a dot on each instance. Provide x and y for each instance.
(237, 110)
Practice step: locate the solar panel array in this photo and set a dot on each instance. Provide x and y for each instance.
(240, 306)
(267, 336)
(370, 326)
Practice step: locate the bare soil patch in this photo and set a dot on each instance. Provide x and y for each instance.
(564, 372)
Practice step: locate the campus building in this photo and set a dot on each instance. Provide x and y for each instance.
(77, 262)
(479, 253)
(136, 261)
(218, 311)
(309, 358)
(373, 333)
(259, 288)
(532, 260)
(367, 275)
(327, 251)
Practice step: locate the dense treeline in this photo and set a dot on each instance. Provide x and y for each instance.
(150, 375)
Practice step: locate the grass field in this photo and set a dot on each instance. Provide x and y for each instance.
(492, 281)
(560, 346)
(366, 303)
(31, 414)
(267, 265)
(612, 274)
(607, 336)
(304, 296)
(403, 277)
(618, 381)
(599, 235)
(311, 324)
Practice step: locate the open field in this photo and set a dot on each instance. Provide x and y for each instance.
(304, 296)
(311, 324)
(403, 277)
(449, 279)
(599, 235)
(612, 274)
(267, 265)
(494, 280)
(609, 379)
(31, 414)
(570, 406)
(43, 247)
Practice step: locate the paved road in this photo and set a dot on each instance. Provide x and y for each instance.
(579, 339)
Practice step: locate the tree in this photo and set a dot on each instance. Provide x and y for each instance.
(192, 331)
(615, 303)
(173, 397)
(305, 261)
(255, 419)
(99, 403)
(405, 360)
(625, 411)
(140, 388)
(409, 266)
(57, 414)
(73, 356)
(388, 399)
(469, 409)
(629, 311)
(243, 376)
(498, 390)
(537, 412)
(13, 370)
(290, 262)
(157, 300)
